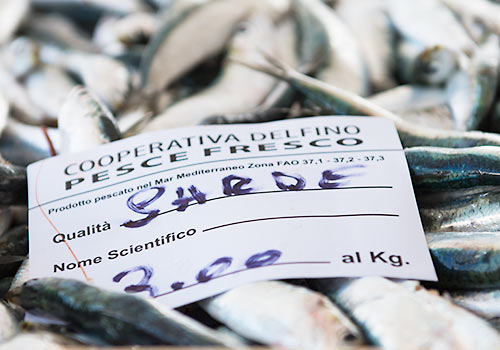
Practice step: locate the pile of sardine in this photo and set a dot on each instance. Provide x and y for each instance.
(77, 74)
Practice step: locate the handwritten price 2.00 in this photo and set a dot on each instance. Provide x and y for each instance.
(211, 271)
(232, 185)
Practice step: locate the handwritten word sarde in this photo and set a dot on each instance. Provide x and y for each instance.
(232, 185)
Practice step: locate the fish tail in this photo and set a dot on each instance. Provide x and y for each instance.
(275, 67)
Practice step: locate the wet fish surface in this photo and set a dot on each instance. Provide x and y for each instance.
(476, 212)
(441, 168)
(85, 122)
(117, 318)
(376, 303)
(238, 88)
(466, 260)
(188, 19)
(78, 74)
(278, 313)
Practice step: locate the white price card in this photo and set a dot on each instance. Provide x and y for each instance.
(184, 214)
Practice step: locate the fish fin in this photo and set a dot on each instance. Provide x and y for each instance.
(259, 67)
(275, 67)
(276, 63)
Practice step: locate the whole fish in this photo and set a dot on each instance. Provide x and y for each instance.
(441, 169)
(470, 213)
(471, 91)
(406, 316)
(466, 260)
(237, 90)
(107, 77)
(335, 100)
(53, 79)
(85, 122)
(278, 313)
(169, 55)
(116, 318)
(344, 66)
(372, 29)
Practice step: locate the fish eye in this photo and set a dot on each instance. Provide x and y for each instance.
(241, 28)
(349, 338)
